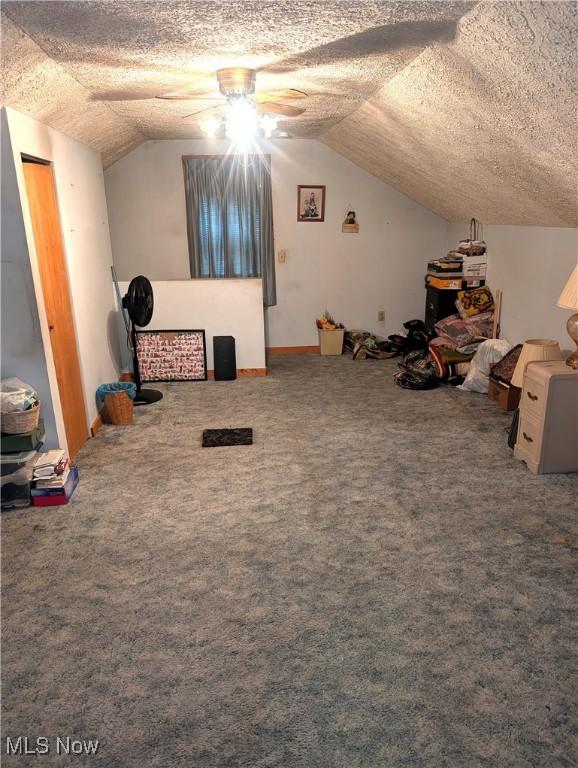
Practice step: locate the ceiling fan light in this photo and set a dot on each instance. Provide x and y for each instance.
(268, 125)
(241, 120)
(241, 124)
(210, 126)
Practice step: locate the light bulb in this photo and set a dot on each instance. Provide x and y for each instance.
(268, 124)
(210, 126)
(241, 121)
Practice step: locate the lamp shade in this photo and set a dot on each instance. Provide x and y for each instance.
(534, 351)
(568, 299)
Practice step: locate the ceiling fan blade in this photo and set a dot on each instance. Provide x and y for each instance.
(282, 93)
(143, 96)
(200, 112)
(121, 96)
(272, 107)
(192, 96)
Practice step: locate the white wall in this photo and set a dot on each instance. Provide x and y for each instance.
(83, 215)
(353, 276)
(220, 307)
(22, 345)
(530, 265)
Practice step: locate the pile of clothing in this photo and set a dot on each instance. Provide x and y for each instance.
(364, 345)
(447, 357)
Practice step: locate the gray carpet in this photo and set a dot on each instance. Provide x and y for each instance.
(375, 583)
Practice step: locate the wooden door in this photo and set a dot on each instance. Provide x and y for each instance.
(43, 207)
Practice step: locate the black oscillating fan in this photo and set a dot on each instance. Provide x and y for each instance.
(139, 304)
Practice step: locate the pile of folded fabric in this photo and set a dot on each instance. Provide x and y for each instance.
(472, 322)
(460, 335)
(464, 334)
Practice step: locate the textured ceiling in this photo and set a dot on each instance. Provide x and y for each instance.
(466, 107)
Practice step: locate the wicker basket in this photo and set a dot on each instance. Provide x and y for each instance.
(19, 422)
(472, 247)
(119, 408)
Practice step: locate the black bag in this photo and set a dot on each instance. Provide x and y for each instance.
(409, 380)
(418, 371)
(418, 337)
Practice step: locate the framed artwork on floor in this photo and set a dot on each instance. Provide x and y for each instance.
(310, 202)
(172, 355)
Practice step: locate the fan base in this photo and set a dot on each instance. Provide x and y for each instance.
(147, 396)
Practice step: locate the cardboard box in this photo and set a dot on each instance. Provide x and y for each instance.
(452, 283)
(474, 270)
(331, 342)
(505, 395)
(481, 259)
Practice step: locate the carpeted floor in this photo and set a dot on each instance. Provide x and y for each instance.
(375, 583)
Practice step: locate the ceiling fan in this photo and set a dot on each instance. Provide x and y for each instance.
(239, 82)
(241, 108)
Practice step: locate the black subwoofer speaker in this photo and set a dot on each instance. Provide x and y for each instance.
(224, 358)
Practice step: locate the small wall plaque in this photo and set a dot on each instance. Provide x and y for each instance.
(350, 223)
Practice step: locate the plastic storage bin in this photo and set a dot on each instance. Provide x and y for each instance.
(17, 471)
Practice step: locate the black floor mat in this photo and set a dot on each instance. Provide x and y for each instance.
(217, 438)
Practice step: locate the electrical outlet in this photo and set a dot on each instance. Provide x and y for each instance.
(282, 256)
(381, 316)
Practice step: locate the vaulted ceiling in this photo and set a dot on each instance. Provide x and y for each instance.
(467, 107)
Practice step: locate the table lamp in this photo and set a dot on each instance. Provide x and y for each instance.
(568, 299)
(534, 351)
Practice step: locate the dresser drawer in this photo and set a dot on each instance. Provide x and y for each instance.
(533, 400)
(529, 443)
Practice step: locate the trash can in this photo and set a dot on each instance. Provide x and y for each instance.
(331, 342)
(118, 402)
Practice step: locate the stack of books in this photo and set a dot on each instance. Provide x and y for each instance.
(18, 454)
(54, 479)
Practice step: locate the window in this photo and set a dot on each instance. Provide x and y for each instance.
(230, 218)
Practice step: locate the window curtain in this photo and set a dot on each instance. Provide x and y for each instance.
(230, 219)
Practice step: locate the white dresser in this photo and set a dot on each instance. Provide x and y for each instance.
(548, 427)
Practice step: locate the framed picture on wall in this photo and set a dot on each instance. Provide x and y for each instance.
(172, 355)
(310, 202)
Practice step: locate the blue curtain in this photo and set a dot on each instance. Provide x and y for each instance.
(230, 219)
